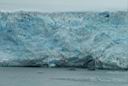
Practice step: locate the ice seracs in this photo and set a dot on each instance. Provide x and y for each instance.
(75, 39)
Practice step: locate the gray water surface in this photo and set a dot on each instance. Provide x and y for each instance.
(23, 76)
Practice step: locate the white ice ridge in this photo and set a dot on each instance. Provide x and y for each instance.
(68, 39)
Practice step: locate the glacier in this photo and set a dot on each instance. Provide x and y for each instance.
(93, 40)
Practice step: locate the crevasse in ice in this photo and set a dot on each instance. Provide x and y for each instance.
(76, 39)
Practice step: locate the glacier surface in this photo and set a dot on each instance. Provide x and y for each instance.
(68, 39)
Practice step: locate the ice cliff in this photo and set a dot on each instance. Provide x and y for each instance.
(76, 39)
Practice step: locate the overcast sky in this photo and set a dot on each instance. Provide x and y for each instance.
(63, 5)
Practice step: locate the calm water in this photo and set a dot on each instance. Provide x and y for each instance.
(14, 76)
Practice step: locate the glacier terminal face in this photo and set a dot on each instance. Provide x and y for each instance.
(68, 39)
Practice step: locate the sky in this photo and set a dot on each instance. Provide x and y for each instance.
(63, 5)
